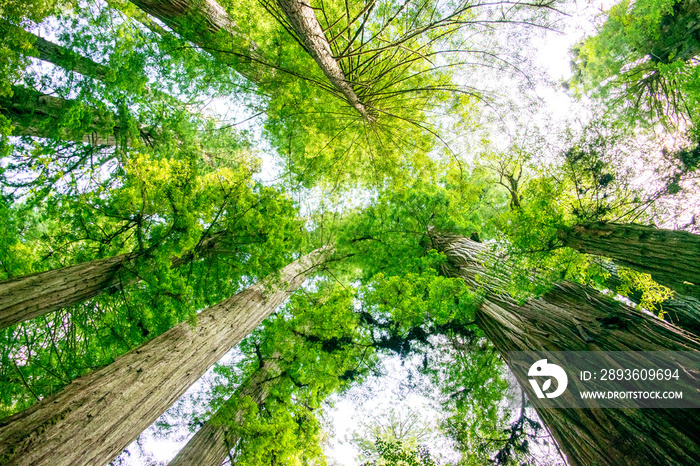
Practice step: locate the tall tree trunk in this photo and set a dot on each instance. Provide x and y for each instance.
(206, 24)
(684, 312)
(35, 114)
(303, 20)
(200, 21)
(95, 417)
(31, 296)
(68, 60)
(575, 318)
(212, 443)
(671, 257)
(59, 56)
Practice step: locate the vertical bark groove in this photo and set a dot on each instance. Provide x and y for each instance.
(200, 22)
(96, 416)
(682, 311)
(30, 296)
(671, 257)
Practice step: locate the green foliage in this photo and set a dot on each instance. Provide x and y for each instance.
(395, 454)
(642, 60)
(488, 422)
(653, 294)
(162, 211)
(595, 179)
(314, 348)
(175, 187)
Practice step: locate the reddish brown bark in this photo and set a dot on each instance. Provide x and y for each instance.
(95, 417)
(671, 257)
(217, 437)
(575, 318)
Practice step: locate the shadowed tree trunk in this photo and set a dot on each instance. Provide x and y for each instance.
(575, 318)
(59, 56)
(69, 60)
(679, 37)
(206, 24)
(212, 443)
(35, 114)
(303, 20)
(40, 115)
(683, 312)
(31, 296)
(671, 257)
(95, 417)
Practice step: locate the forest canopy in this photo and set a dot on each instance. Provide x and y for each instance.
(222, 223)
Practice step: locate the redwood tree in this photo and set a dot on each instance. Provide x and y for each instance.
(671, 257)
(31, 296)
(572, 317)
(33, 113)
(215, 439)
(97, 416)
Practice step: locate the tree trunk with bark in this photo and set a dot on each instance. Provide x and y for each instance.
(34, 295)
(682, 311)
(212, 443)
(206, 24)
(69, 60)
(303, 20)
(572, 317)
(671, 257)
(35, 114)
(31, 296)
(200, 22)
(59, 56)
(95, 417)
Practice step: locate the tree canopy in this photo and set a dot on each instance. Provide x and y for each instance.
(170, 168)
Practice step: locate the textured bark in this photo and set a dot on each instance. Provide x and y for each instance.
(29, 111)
(35, 114)
(31, 296)
(303, 20)
(200, 21)
(212, 443)
(95, 417)
(205, 23)
(671, 257)
(59, 56)
(682, 311)
(575, 318)
(68, 60)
